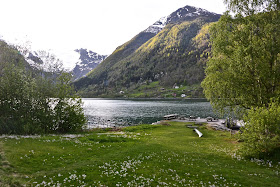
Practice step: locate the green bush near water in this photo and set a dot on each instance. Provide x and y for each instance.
(33, 101)
(27, 109)
(261, 133)
(243, 71)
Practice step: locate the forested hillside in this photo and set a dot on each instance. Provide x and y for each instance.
(175, 55)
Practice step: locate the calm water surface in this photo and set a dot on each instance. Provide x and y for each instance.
(119, 112)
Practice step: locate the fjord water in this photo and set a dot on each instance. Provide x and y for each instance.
(125, 112)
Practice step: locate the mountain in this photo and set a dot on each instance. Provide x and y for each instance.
(88, 61)
(172, 51)
(40, 63)
(48, 62)
(186, 13)
(35, 60)
(42, 60)
(45, 61)
(10, 55)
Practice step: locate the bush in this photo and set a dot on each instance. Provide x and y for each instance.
(261, 133)
(68, 115)
(68, 111)
(32, 104)
(17, 101)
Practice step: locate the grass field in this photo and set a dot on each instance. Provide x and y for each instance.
(146, 155)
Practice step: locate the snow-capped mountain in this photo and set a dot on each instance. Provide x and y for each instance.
(88, 61)
(48, 62)
(166, 52)
(42, 60)
(157, 26)
(182, 14)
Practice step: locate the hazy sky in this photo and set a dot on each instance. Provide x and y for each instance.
(98, 25)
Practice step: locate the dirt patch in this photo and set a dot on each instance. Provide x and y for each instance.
(234, 142)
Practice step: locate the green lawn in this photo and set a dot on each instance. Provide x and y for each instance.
(144, 155)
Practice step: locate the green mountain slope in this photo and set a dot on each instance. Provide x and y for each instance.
(123, 51)
(9, 54)
(175, 56)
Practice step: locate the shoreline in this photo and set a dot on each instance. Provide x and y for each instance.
(142, 98)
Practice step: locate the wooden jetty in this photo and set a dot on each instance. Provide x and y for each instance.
(170, 116)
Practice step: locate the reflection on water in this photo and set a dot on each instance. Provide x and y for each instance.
(117, 112)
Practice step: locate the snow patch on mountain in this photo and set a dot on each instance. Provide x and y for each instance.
(42, 60)
(88, 61)
(182, 13)
(189, 12)
(157, 26)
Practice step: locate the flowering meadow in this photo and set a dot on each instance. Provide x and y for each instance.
(145, 155)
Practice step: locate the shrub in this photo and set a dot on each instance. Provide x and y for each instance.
(68, 115)
(29, 106)
(261, 133)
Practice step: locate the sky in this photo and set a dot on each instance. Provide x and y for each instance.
(61, 26)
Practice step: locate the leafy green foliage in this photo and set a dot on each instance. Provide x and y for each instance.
(35, 103)
(16, 107)
(69, 116)
(261, 134)
(244, 72)
(245, 68)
